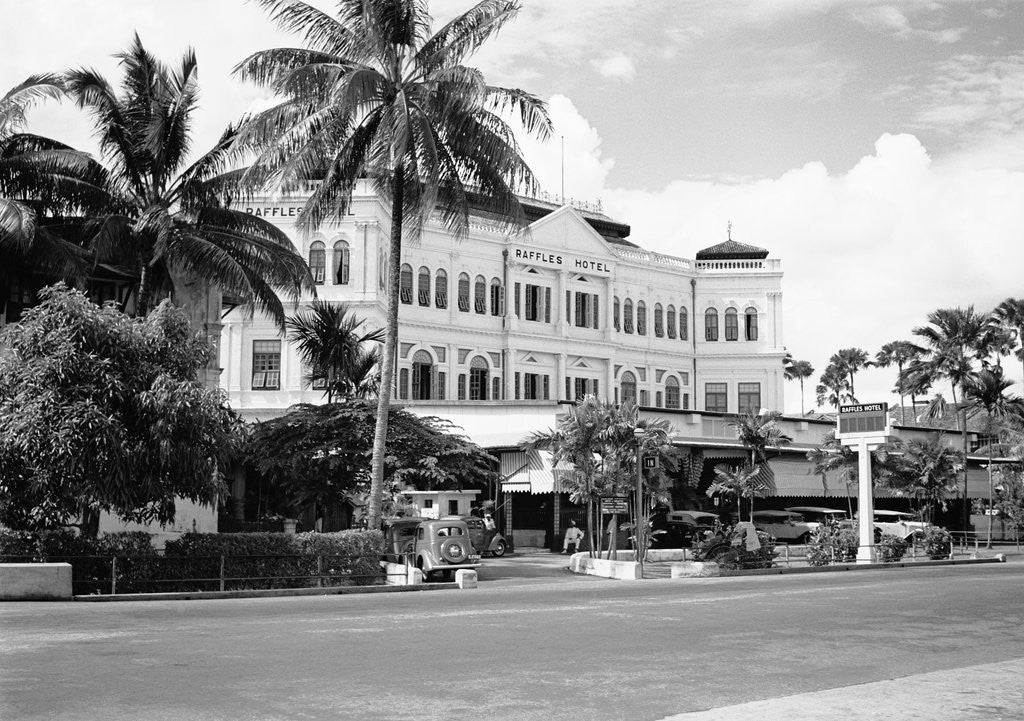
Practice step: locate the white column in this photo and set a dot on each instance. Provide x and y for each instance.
(609, 301)
(510, 375)
(561, 327)
(608, 392)
(559, 376)
(865, 505)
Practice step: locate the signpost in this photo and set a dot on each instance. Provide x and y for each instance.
(864, 426)
(611, 505)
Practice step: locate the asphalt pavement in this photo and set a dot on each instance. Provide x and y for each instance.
(533, 642)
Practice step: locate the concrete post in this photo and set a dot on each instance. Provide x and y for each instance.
(865, 505)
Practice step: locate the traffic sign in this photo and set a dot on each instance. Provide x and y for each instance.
(650, 462)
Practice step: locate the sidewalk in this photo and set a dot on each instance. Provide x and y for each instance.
(990, 691)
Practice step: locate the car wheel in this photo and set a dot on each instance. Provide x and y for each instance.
(720, 555)
(500, 548)
(453, 552)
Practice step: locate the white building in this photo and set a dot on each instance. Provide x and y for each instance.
(565, 307)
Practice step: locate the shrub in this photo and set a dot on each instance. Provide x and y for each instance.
(890, 548)
(830, 544)
(729, 551)
(936, 542)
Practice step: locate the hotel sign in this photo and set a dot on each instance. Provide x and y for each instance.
(862, 419)
(568, 262)
(279, 211)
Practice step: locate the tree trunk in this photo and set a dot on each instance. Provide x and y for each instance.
(201, 302)
(142, 302)
(373, 513)
(801, 397)
(595, 550)
(967, 509)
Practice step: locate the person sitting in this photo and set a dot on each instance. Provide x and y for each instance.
(573, 536)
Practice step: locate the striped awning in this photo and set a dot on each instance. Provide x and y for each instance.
(794, 479)
(531, 472)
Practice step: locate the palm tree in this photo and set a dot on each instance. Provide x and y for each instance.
(850, 360)
(986, 392)
(167, 220)
(1010, 313)
(833, 457)
(758, 432)
(925, 469)
(833, 387)
(39, 179)
(747, 481)
(898, 353)
(952, 338)
(799, 370)
(376, 96)
(330, 342)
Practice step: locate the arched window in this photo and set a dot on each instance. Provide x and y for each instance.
(480, 295)
(463, 292)
(750, 318)
(423, 287)
(422, 375)
(711, 324)
(684, 324)
(732, 330)
(659, 321)
(615, 314)
(641, 318)
(405, 284)
(318, 261)
(670, 321)
(628, 386)
(478, 379)
(441, 289)
(341, 263)
(497, 297)
(627, 316)
(671, 392)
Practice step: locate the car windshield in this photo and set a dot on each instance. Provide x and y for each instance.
(449, 531)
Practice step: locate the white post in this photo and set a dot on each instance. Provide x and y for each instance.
(865, 505)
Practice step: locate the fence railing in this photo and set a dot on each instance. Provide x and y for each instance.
(158, 573)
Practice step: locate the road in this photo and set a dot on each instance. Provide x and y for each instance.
(547, 647)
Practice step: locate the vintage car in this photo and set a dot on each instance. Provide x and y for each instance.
(784, 526)
(813, 515)
(898, 523)
(680, 528)
(442, 546)
(497, 546)
(400, 537)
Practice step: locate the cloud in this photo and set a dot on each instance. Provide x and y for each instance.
(866, 253)
(616, 67)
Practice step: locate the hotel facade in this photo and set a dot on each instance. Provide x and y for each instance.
(567, 306)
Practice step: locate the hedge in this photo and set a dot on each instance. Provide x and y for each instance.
(193, 561)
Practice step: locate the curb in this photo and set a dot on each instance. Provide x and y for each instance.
(260, 593)
(859, 567)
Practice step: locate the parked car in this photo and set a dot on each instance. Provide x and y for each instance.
(400, 537)
(443, 546)
(498, 546)
(784, 525)
(682, 527)
(814, 515)
(898, 523)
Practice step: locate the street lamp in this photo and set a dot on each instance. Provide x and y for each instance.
(638, 436)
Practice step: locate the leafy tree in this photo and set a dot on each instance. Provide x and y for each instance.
(747, 481)
(833, 387)
(330, 342)
(168, 221)
(898, 353)
(925, 470)
(321, 453)
(376, 96)
(101, 412)
(800, 371)
(833, 457)
(849, 361)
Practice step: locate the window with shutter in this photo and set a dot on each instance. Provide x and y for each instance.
(547, 305)
(266, 365)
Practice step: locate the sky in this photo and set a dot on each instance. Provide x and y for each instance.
(876, 147)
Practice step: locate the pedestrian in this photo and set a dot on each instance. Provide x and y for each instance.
(573, 536)
(490, 531)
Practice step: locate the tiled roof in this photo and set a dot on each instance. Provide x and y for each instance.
(731, 249)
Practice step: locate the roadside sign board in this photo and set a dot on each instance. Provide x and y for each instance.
(614, 504)
(862, 419)
(650, 462)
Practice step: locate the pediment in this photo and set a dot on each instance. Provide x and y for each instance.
(565, 230)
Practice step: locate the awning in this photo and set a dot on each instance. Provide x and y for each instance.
(531, 471)
(793, 478)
